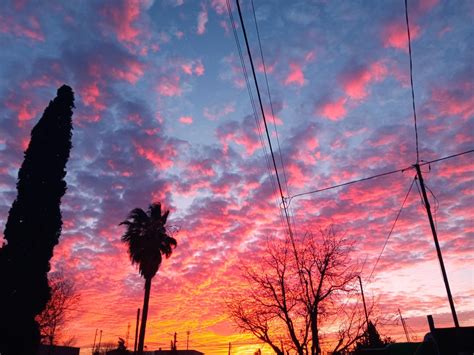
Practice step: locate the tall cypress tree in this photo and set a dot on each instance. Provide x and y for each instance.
(34, 226)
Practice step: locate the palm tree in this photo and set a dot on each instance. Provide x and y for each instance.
(147, 241)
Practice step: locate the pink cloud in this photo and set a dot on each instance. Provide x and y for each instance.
(214, 113)
(445, 30)
(219, 6)
(202, 21)
(90, 94)
(310, 57)
(122, 18)
(273, 118)
(199, 69)
(355, 82)
(132, 71)
(23, 108)
(295, 76)
(186, 120)
(193, 67)
(30, 29)
(269, 68)
(394, 35)
(41, 81)
(203, 167)
(333, 110)
(455, 101)
(160, 159)
(241, 133)
(169, 86)
(233, 71)
(187, 68)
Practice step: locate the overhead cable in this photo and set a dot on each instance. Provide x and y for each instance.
(393, 227)
(266, 125)
(411, 82)
(270, 99)
(378, 175)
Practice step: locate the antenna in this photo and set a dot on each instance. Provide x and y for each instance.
(404, 326)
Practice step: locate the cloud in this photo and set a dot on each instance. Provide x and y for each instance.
(394, 34)
(169, 85)
(193, 67)
(202, 21)
(187, 120)
(29, 27)
(356, 80)
(219, 6)
(131, 71)
(295, 76)
(455, 100)
(122, 17)
(241, 133)
(334, 110)
(216, 112)
(24, 108)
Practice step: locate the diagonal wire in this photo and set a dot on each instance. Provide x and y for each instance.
(393, 227)
(283, 200)
(270, 100)
(378, 175)
(351, 182)
(252, 101)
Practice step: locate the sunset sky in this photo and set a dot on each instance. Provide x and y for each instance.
(163, 114)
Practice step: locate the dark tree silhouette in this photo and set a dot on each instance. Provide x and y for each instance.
(64, 298)
(370, 339)
(34, 226)
(147, 241)
(287, 295)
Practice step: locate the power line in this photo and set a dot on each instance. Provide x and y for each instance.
(350, 182)
(393, 227)
(411, 82)
(287, 216)
(447, 157)
(252, 100)
(378, 175)
(260, 101)
(270, 99)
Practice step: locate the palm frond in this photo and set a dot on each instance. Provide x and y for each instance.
(147, 238)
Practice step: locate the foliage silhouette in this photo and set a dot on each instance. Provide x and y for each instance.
(287, 295)
(64, 298)
(147, 241)
(34, 226)
(370, 339)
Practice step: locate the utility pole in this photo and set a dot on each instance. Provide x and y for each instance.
(363, 301)
(95, 337)
(230, 347)
(187, 340)
(175, 341)
(136, 331)
(100, 340)
(438, 249)
(405, 329)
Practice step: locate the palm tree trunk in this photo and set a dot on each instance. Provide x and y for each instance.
(141, 340)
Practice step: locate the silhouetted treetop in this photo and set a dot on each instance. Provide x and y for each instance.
(34, 226)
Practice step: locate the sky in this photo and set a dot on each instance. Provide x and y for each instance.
(163, 114)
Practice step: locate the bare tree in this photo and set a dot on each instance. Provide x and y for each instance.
(57, 312)
(293, 289)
